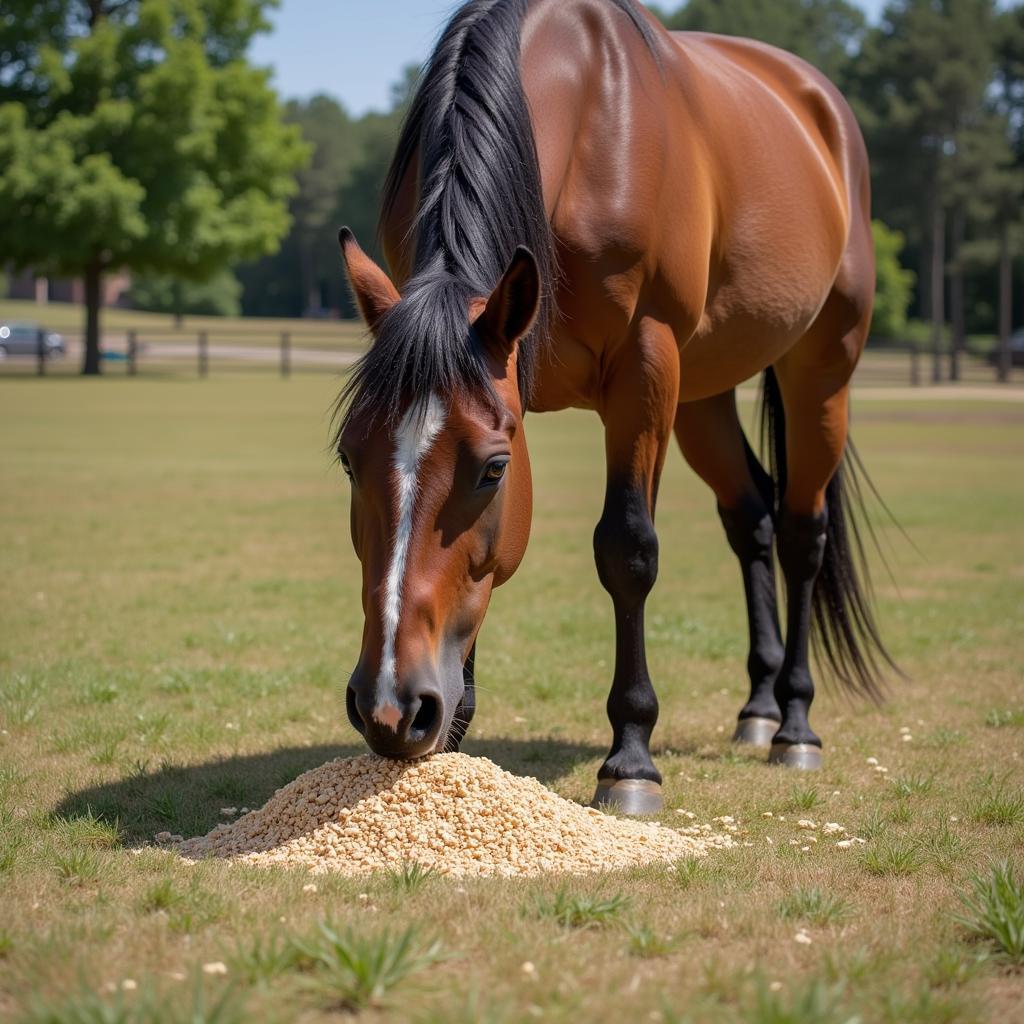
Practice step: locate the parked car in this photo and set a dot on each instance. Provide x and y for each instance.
(21, 338)
(1016, 350)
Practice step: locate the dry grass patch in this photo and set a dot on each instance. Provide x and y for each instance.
(159, 666)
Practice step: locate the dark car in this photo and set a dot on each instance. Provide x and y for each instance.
(21, 338)
(1016, 350)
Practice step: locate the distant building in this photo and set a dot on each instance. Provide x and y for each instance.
(27, 285)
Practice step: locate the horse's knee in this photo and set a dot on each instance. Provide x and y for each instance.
(626, 548)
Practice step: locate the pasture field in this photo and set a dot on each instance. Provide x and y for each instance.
(179, 608)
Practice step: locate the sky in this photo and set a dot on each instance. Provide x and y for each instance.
(355, 49)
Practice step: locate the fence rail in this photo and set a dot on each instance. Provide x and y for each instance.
(163, 351)
(159, 351)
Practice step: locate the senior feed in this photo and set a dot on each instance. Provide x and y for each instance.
(457, 814)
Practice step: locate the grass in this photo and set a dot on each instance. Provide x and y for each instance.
(181, 606)
(893, 857)
(353, 970)
(409, 878)
(1002, 806)
(582, 910)
(995, 911)
(814, 904)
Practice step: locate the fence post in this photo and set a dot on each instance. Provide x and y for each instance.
(204, 356)
(286, 354)
(915, 369)
(41, 352)
(133, 351)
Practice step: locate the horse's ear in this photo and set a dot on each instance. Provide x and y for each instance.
(512, 308)
(372, 288)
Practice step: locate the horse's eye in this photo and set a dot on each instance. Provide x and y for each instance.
(495, 471)
(345, 464)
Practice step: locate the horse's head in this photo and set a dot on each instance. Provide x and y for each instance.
(432, 440)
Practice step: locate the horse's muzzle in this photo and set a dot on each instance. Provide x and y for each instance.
(404, 726)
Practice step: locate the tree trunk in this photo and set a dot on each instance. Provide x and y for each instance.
(1005, 301)
(938, 275)
(956, 295)
(92, 364)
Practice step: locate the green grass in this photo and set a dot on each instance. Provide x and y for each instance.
(181, 606)
(582, 910)
(353, 970)
(814, 904)
(995, 911)
(409, 878)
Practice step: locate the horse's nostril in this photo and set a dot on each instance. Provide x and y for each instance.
(353, 711)
(426, 716)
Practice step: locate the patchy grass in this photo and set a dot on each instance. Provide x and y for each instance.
(409, 878)
(893, 857)
(995, 911)
(353, 970)
(582, 910)
(1002, 806)
(181, 608)
(814, 904)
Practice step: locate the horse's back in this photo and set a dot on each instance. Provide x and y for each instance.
(786, 171)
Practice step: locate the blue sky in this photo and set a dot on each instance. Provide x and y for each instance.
(355, 49)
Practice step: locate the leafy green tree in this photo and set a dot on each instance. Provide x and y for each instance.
(333, 138)
(134, 134)
(343, 186)
(219, 295)
(918, 84)
(895, 284)
(825, 32)
(1009, 191)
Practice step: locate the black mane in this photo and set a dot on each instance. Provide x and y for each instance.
(480, 197)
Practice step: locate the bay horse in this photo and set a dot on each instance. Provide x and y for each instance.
(586, 210)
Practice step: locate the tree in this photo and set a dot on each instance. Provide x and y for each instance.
(1010, 189)
(343, 186)
(134, 134)
(919, 82)
(331, 135)
(159, 293)
(894, 283)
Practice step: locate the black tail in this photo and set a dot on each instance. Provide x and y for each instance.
(844, 634)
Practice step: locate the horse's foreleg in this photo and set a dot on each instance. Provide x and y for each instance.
(712, 441)
(638, 407)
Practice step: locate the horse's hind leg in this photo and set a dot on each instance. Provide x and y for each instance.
(813, 380)
(637, 408)
(712, 441)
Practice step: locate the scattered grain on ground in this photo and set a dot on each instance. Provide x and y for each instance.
(457, 814)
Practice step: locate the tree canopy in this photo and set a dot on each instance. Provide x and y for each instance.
(133, 133)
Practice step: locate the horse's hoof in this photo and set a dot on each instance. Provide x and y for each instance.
(629, 796)
(805, 756)
(755, 732)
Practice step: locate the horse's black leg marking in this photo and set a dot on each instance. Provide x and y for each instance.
(801, 546)
(751, 532)
(626, 553)
(467, 706)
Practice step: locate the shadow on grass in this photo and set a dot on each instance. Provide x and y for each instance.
(186, 799)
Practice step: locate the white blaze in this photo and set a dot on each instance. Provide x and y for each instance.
(416, 433)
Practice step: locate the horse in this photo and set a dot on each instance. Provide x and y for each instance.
(586, 210)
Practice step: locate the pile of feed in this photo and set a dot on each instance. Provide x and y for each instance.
(456, 814)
